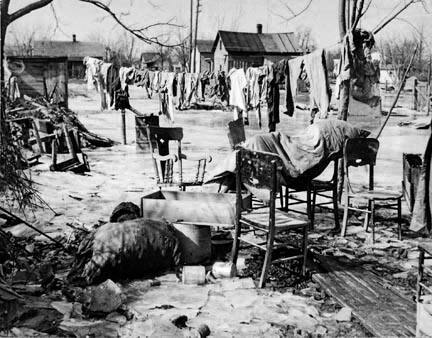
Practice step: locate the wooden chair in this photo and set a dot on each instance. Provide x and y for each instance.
(236, 133)
(360, 152)
(259, 173)
(163, 161)
(313, 188)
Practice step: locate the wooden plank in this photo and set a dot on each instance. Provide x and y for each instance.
(381, 310)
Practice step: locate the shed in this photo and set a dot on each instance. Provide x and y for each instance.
(42, 76)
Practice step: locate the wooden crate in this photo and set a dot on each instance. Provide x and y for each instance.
(412, 164)
(192, 207)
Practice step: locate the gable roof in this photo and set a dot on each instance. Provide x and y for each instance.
(73, 50)
(268, 43)
(205, 46)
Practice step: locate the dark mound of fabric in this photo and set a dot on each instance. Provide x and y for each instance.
(130, 249)
(125, 211)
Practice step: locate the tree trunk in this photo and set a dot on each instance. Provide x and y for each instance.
(344, 92)
(4, 24)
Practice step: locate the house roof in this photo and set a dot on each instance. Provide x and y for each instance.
(73, 50)
(149, 57)
(205, 46)
(268, 43)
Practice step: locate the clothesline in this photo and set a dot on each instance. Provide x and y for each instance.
(242, 90)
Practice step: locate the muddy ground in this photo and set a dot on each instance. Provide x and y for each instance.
(122, 173)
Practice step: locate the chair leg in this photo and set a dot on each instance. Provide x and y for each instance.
(372, 216)
(314, 193)
(367, 218)
(399, 206)
(236, 243)
(267, 259)
(305, 249)
(281, 198)
(345, 216)
(336, 208)
(309, 207)
(420, 274)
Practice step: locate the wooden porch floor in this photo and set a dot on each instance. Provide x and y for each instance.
(381, 310)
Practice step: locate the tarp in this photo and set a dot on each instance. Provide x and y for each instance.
(306, 154)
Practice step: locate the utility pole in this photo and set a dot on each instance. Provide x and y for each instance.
(190, 35)
(428, 93)
(196, 33)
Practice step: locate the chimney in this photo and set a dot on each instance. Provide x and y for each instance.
(259, 28)
(74, 38)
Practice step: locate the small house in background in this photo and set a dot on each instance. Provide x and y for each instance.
(74, 50)
(243, 50)
(41, 76)
(204, 56)
(151, 60)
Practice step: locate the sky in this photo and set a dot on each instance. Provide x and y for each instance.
(88, 22)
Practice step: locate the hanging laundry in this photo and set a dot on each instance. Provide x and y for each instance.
(92, 71)
(156, 81)
(238, 85)
(357, 64)
(295, 69)
(282, 71)
(205, 80)
(253, 88)
(127, 76)
(272, 97)
(166, 94)
(320, 93)
(180, 90)
(223, 90)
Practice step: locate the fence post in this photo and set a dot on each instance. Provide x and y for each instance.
(415, 95)
(123, 125)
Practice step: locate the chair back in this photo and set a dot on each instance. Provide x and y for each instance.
(359, 152)
(163, 161)
(236, 133)
(259, 173)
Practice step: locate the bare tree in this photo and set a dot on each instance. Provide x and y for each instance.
(397, 52)
(305, 38)
(182, 51)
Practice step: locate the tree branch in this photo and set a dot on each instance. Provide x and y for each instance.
(385, 23)
(139, 33)
(294, 14)
(27, 9)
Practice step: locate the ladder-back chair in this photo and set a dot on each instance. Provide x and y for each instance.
(163, 160)
(259, 172)
(363, 152)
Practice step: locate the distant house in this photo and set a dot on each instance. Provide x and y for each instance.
(204, 56)
(151, 60)
(74, 50)
(242, 50)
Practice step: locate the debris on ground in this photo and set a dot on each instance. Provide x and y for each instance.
(58, 115)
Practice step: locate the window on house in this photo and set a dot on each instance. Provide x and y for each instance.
(220, 44)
